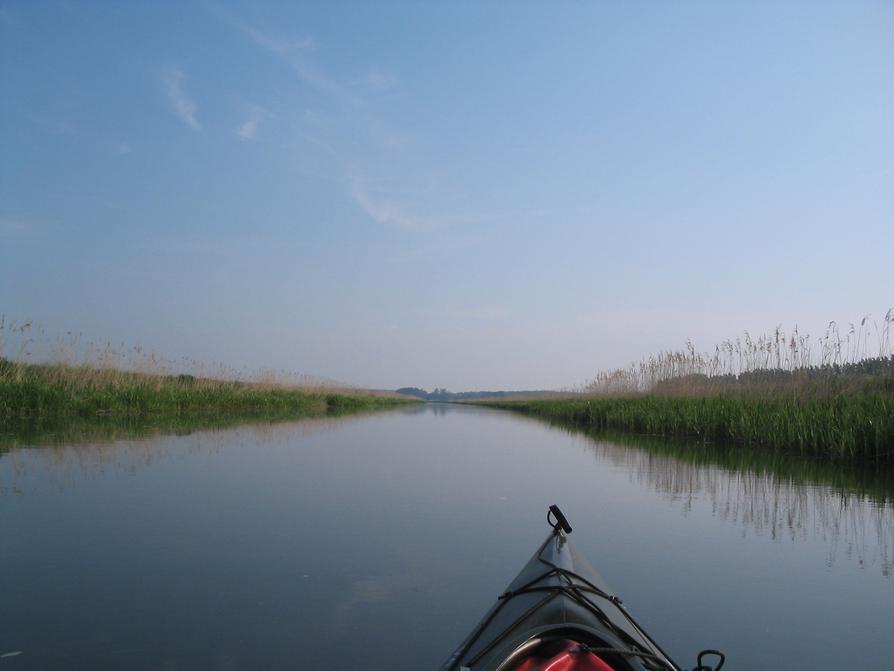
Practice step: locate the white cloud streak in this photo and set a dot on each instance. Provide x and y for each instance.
(380, 207)
(279, 47)
(248, 130)
(183, 106)
(389, 212)
(292, 53)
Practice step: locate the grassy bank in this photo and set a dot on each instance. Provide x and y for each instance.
(43, 390)
(828, 397)
(857, 427)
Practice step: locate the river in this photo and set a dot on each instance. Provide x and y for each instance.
(377, 542)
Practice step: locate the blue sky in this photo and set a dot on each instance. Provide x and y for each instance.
(464, 195)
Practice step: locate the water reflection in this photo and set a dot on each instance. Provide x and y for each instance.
(850, 510)
(59, 455)
(252, 546)
(67, 431)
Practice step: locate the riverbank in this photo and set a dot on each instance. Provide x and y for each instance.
(58, 391)
(858, 427)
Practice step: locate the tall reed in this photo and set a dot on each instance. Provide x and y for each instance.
(857, 428)
(860, 346)
(82, 379)
(829, 398)
(24, 342)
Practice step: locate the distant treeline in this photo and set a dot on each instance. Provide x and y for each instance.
(868, 375)
(444, 395)
(863, 347)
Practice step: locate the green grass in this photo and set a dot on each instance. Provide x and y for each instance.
(857, 427)
(45, 390)
(829, 397)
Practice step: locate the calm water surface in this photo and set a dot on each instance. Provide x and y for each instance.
(378, 541)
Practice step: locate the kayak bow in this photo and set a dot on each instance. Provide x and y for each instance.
(559, 614)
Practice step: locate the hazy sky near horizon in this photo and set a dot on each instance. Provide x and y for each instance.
(464, 195)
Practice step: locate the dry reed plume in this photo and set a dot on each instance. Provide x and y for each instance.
(71, 357)
(68, 377)
(745, 357)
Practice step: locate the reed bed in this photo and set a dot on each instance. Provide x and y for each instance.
(833, 399)
(775, 358)
(859, 428)
(35, 390)
(69, 377)
(27, 342)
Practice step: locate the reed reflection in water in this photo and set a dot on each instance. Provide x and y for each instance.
(69, 454)
(855, 524)
(133, 547)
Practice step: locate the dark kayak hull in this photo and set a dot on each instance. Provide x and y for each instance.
(558, 595)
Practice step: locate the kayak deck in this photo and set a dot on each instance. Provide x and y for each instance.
(558, 600)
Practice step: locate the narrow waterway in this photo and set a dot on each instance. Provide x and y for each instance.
(376, 542)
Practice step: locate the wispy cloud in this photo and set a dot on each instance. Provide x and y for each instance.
(386, 211)
(354, 117)
(293, 53)
(183, 106)
(255, 116)
(380, 80)
(307, 71)
(277, 46)
(390, 211)
(248, 130)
